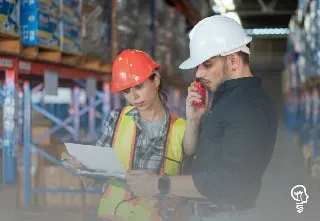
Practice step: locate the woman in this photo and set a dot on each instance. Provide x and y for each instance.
(145, 136)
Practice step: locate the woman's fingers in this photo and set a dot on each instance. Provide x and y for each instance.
(70, 161)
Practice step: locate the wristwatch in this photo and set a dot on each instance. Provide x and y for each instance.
(164, 185)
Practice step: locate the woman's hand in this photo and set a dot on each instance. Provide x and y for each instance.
(70, 161)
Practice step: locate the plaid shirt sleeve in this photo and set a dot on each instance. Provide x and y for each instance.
(108, 129)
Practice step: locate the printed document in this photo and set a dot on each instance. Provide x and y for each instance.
(100, 162)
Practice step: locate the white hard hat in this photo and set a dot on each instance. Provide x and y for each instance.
(215, 36)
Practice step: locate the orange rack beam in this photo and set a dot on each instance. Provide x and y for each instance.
(38, 68)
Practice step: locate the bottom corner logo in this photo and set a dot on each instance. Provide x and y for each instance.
(299, 194)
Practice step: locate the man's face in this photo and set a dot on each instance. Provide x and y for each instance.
(212, 72)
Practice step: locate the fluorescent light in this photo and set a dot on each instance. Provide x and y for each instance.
(268, 31)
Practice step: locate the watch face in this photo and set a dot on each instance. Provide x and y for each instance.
(164, 185)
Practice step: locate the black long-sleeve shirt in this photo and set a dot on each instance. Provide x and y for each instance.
(236, 143)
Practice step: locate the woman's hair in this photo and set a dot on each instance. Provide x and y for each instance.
(162, 93)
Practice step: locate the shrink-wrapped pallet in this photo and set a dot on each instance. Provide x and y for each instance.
(164, 36)
(96, 23)
(128, 12)
(143, 39)
(180, 48)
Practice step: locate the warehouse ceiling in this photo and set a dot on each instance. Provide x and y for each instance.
(266, 13)
(253, 13)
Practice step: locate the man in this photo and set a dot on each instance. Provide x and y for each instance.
(236, 140)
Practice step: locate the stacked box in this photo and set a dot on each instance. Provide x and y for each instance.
(9, 19)
(70, 37)
(40, 28)
(50, 6)
(71, 11)
(71, 15)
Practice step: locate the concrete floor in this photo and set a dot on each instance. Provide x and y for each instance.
(285, 170)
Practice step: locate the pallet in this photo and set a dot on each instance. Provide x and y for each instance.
(70, 59)
(95, 64)
(41, 53)
(9, 44)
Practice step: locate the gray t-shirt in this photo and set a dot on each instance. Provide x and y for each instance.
(151, 129)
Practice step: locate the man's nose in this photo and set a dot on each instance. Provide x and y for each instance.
(199, 72)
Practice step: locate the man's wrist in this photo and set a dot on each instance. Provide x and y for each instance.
(164, 185)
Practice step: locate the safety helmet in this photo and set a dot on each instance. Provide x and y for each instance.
(131, 68)
(215, 36)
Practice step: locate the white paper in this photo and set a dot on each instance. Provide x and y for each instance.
(103, 160)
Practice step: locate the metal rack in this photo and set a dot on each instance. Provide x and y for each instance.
(301, 109)
(23, 75)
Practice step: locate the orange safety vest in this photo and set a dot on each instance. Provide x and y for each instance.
(116, 204)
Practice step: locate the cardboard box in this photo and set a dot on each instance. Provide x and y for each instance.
(71, 40)
(9, 17)
(50, 6)
(36, 131)
(71, 10)
(40, 29)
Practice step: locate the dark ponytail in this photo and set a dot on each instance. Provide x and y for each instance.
(162, 93)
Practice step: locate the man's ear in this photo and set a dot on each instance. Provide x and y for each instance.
(234, 61)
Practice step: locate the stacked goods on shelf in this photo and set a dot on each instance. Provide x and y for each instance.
(164, 37)
(143, 35)
(9, 23)
(128, 15)
(202, 7)
(71, 40)
(39, 23)
(71, 26)
(302, 88)
(96, 20)
(180, 43)
(53, 24)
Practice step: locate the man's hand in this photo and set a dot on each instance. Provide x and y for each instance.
(193, 113)
(143, 183)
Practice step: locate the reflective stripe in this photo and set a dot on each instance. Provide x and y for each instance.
(114, 199)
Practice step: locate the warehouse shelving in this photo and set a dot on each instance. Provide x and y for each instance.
(22, 71)
(301, 77)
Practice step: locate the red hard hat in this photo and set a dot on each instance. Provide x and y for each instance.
(130, 68)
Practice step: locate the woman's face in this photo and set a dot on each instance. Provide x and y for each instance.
(143, 95)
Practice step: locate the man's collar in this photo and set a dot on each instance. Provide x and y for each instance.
(233, 83)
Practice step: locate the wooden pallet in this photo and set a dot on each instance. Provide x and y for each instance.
(91, 63)
(41, 53)
(9, 44)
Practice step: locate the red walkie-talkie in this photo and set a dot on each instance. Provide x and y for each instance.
(202, 91)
